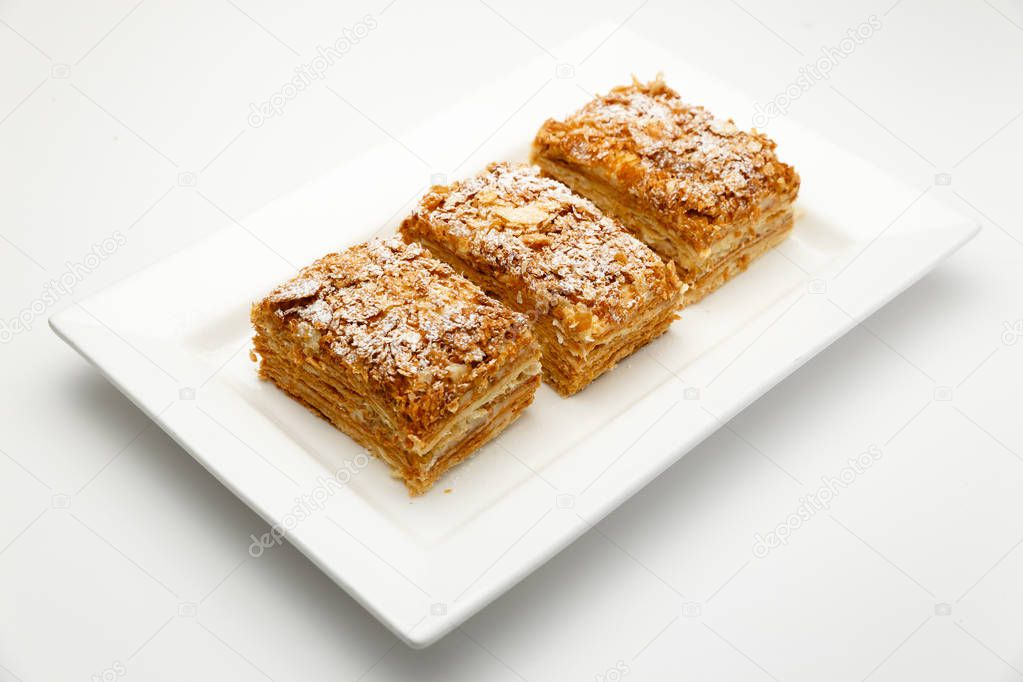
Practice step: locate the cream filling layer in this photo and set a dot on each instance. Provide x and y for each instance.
(478, 412)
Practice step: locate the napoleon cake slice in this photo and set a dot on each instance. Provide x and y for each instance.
(593, 291)
(400, 352)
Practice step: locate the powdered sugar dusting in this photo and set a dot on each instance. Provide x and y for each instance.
(555, 249)
(677, 158)
(395, 315)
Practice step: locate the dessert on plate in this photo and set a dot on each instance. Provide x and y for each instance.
(400, 352)
(694, 187)
(593, 292)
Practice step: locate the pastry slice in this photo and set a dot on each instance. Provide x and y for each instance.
(593, 291)
(400, 352)
(695, 188)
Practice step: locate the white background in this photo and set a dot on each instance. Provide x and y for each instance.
(120, 556)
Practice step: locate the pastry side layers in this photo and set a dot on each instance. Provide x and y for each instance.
(594, 293)
(693, 187)
(400, 352)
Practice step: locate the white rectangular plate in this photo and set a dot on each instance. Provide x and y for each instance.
(174, 338)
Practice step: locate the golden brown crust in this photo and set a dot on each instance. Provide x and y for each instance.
(409, 333)
(593, 291)
(555, 250)
(671, 160)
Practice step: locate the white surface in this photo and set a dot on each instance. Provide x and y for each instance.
(173, 339)
(936, 520)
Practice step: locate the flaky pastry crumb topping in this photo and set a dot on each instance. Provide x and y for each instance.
(678, 160)
(401, 320)
(553, 247)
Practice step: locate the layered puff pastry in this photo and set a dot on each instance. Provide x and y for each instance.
(400, 352)
(593, 292)
(695, 188)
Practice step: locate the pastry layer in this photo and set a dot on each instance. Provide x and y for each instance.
(694, 188)
(399, 351)
(467, 430)
(593, 292)
(738, 260)
(570, 366)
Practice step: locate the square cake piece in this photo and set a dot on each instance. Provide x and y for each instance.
(594, 293)
(400, 352)
(695, 188)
